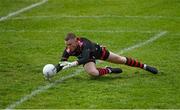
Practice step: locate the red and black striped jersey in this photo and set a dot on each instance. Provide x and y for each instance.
(85, 50)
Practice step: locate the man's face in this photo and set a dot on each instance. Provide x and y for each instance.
(71, 44)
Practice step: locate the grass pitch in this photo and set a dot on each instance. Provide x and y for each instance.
(34, 38)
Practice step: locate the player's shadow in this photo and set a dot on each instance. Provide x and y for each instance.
(125, 75)
(105, 78)
(136, 74)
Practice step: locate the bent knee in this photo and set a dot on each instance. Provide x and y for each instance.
(93, 72)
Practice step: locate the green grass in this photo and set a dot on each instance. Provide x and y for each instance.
(24, 53)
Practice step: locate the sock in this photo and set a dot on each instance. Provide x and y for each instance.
(103, 71)
(134, 63)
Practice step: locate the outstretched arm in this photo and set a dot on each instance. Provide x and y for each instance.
(83, 60)
(64, 57)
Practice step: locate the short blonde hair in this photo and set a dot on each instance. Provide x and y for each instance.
(70, 36)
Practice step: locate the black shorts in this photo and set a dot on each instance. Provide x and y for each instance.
(102, 55)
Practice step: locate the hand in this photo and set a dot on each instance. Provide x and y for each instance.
(58, 67)
(64, 63)
(70, 64)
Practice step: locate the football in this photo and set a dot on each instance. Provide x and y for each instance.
(49, 70)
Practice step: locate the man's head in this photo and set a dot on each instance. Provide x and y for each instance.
(71, 41)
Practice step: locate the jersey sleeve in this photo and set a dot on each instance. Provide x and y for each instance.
(65, 56)
(85, 55)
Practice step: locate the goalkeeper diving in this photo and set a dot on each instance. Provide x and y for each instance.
(87, 52)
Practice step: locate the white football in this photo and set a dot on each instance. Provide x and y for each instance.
(49, 70)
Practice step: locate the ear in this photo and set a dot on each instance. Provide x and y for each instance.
(76, 39)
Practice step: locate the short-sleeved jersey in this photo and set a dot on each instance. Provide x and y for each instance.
(86, 51)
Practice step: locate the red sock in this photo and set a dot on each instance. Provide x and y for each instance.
(103, 71)
(134, 63)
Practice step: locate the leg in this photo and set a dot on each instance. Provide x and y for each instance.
(114, 58)
(91, 69)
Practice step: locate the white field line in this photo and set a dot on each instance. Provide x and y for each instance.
(42, 89)
(89, 31)
(78, 71)
(97, 17)
(118, 31)
(144, 43)
(22, 10)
